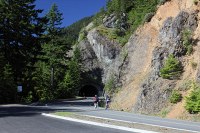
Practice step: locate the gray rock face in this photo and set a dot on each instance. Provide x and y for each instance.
(88, 56)
(113, 22)
(105, 58)
(98, 52)
(91, 69)
(105, 49)
(155, 91)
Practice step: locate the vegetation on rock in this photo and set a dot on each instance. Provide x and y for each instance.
(172, 68)
(135, 14)
(193, 100)
(187, 41)
(110, 85)
(175, 97)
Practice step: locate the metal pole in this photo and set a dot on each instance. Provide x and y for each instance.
(52, 77)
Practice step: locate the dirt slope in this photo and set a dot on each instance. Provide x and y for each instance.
(127, 97)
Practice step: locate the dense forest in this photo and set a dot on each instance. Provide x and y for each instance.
(33, 48)
(32, 53)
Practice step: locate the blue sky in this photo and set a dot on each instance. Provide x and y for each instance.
(73, 10)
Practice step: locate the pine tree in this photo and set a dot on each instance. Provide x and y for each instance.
(8, 88)
(54, 49)
(21, 32)
(172, 68)
(72, 80)
(55, 20)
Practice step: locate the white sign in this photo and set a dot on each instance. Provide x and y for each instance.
(19, 88)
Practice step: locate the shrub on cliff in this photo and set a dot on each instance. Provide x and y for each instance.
(175, 97)
(187, 40)
(193, 100)
(172, 68)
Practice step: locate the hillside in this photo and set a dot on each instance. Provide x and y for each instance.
(131, 72)
(152, 103)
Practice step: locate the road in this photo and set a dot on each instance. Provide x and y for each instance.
(84, 109)
(22, 119)
(22, 114)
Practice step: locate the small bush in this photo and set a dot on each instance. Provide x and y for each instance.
(148, 17)
(164, 112)
(187, 41)
(82, 35)
(195, 2)
(194, 65)
(175, 97)
(110, 85)
(193, 100)
(172, 68)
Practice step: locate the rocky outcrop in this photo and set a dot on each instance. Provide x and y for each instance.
(155, 91)
(100, 53)
(140, 60)
(112, 21)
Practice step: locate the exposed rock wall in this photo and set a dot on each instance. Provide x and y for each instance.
(136, 66)
(155, 91)
(106, 55)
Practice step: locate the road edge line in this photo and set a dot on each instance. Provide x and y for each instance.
(98, 124)
(142, 123)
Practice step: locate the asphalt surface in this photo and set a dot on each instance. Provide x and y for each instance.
(22, 119)
(85, 108)
(11, 116)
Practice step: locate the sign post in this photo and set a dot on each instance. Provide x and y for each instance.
(19, 88)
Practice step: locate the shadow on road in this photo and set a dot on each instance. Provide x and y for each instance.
(38, 108)
(30, 111)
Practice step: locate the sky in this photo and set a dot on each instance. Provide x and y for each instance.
(73, 10)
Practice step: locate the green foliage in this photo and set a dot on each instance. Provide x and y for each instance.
(193, 100)
(55, 20)
(175, 97)
(141, 8)
(164, 112)
(21, 37)
(172, 68)
(187, 41)
(82, 35)
(110, 85)
(8, 88)
(71, 33)
(32, 46)
(41, 79)
(137, 12)
(119, 6)
(29, 98)
(98, 18)
(71, 82)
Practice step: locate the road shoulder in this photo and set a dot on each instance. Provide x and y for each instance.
(116, 124)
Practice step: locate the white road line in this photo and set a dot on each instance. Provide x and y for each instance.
(141, 123)
(145, 119)
(99, 124)
(170, 122)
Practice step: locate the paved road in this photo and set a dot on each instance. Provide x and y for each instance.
(18, 119)
(84, 107)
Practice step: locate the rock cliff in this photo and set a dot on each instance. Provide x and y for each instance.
(136, 66)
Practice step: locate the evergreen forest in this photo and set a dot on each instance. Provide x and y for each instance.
(33, 47)
(32, 53)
